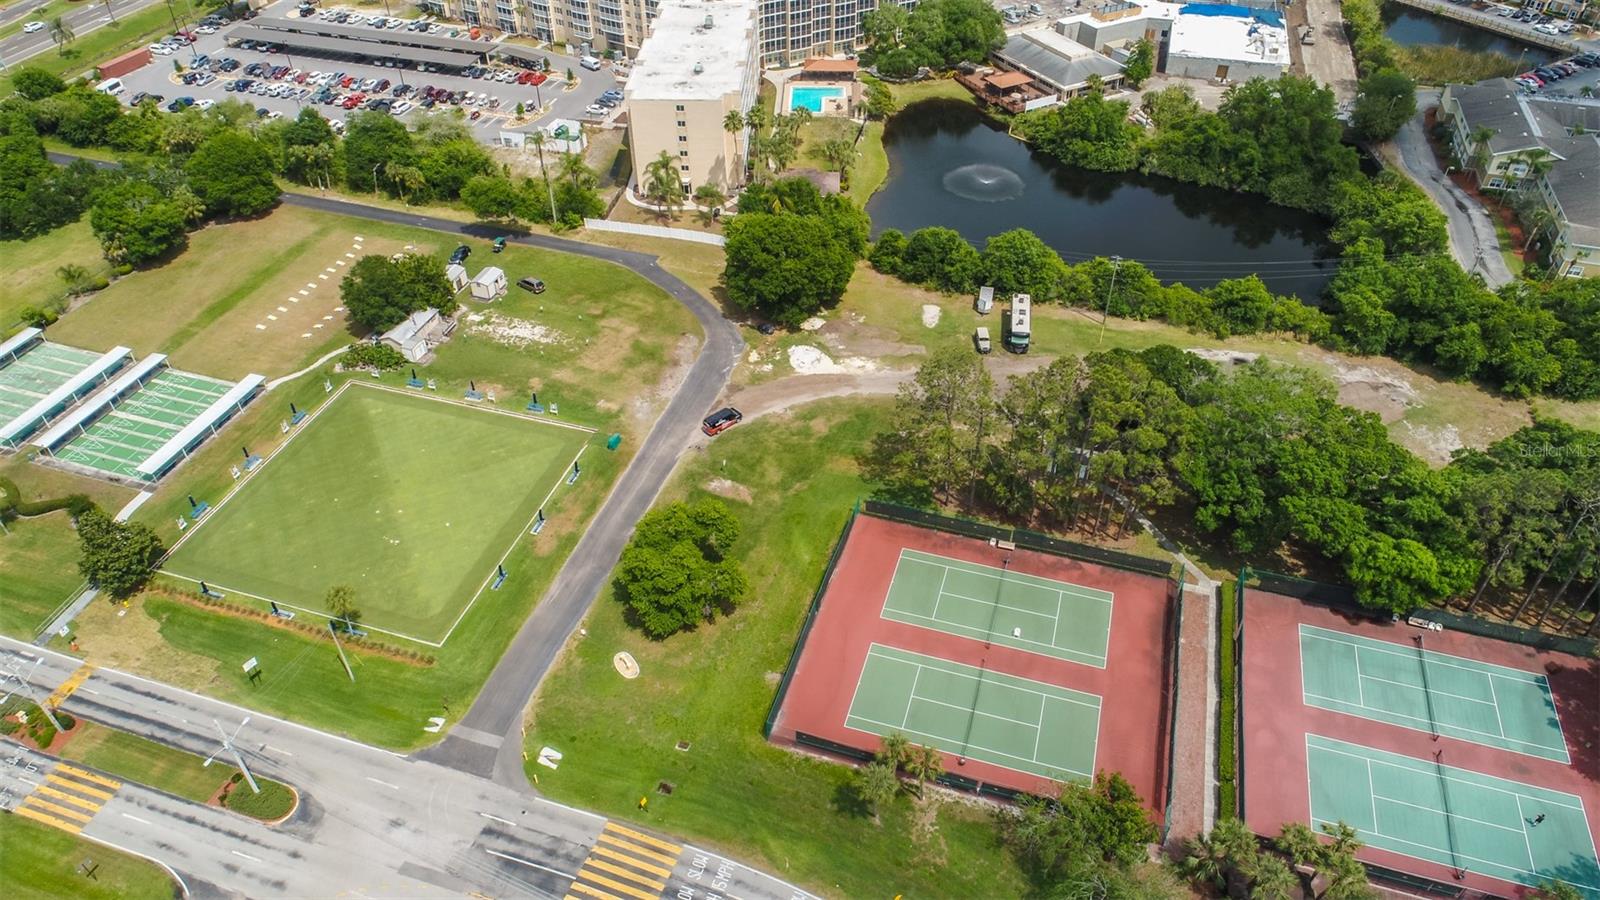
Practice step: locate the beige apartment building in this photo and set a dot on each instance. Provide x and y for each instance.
(698, 64)
(789, 31)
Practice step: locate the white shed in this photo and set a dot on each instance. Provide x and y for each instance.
(410, 337)
(458, 277)
(489, 284)
(985, 302)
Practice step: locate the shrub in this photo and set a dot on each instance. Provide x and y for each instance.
(1227, 722)
(274, 801)
(373, 356)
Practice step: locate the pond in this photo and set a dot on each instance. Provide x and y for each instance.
(950, 165)
(1412, 28)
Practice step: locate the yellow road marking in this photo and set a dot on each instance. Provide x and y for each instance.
(607, 851)
(90, 805)
(643, 838)
(638, 850)
(52, 821)
(73, 682)
(593, 892)
(645, 880)
(628, 889)
(76, 772)
(80, 788)
(55, 810)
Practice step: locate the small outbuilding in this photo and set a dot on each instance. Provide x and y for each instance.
(489, 284)
(417, 335)
(457, 274)
(985, 302)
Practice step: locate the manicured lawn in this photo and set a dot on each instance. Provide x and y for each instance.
(713, 688)
(38, 571)
(31, 278)
(146, 762)
(943, 88)
(409, 500)
(38, 862)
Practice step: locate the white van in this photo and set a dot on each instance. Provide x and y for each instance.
(112, 86)
(591, 63)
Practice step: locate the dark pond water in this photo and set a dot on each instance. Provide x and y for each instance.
(950, 166)
(1411, 28)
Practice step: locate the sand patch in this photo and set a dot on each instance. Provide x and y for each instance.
(1225, 357)
(930, 315)
(809, 360)
(1440, 443)
(732, 490)
(812, 324)
(514, 332)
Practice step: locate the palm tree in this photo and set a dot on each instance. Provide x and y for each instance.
(877, 783)
(893, 749)
(1206, 863)
(1481, 154)
(73, 274)
(708, 197)
(1274, 880)
(800, 115)
(838, 153)
(407, 179)
(61, 33)
(757, 118)
(733, 123)
(538, 144)
(341, 603)
(662, 185)
(573, 168)
(925, 764)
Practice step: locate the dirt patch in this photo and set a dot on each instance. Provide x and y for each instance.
(683, 355)
(512, 332)
(1368, 388)
(131, 641)
(808, 360)
(732, 490)
(1440, 443)
(930, 315)
(1225, 357)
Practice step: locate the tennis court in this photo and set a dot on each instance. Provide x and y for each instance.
(33, 375)
(971, 712)
(127, 434)
(1467, 820)
(1039, 615)
(1412, 687)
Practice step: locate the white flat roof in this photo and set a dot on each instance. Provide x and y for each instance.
(98, 401)
(679, 44)
(19, 340)
(180, 442)
(1229, 38)
(1151, 10)
(109, 360)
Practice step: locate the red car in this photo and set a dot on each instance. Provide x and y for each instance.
(721, 421)
(538, 78)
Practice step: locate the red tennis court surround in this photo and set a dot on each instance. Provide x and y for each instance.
(1135, 685)
(1276, 719)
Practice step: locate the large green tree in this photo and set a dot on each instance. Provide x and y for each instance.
(787, 267)
(373, 140)
(378, 292)
(116, 557)
(232, 175)
(675, 571)
(1385, 99)
(933, 447)
(136, 221)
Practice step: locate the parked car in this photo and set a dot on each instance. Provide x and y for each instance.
(596, 110)
(531, 284)
(460, 253)
(499, 244)
(721, 421)
(180, 104)
(32, 27)
(204, 104)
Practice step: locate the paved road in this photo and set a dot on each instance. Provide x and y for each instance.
(83, 19)
(1472, 236)
(370, 823)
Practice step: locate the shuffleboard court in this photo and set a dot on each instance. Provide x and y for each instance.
(1416, 688)
(1459, 818)
(1013, 609)
(408, 499)
(1018, 723)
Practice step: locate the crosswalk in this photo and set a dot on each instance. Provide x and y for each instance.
(73, 682)
(68, 798)
(625, 865)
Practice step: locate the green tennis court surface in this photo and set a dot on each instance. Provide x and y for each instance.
(41, 369)
(1013, 722)
(1492, 705)
(409, 500)
(125, 436)
(1026, 612)
(1453, 817)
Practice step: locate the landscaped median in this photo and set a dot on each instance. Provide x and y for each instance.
(154, 765)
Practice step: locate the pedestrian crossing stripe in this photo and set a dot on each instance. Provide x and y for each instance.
(625, 864)
(76, 772)
(54, 794)
(637, 850)
(29, 813)
(32, 800)
(643, 838)
(73, 682)
(57, 780)
(612, 854)
(68, 799)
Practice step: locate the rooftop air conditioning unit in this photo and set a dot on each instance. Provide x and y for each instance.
(708, 22)
(698, 68)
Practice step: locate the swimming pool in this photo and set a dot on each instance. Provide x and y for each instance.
(811, 97)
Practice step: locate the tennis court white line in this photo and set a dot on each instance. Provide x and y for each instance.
(1457, 816)
(946, 626)
(1435, 692)
(970, 747)
(972, 568)
(1431, 773)
(1034, 725)
(1458, 855)
(1477, 666)
(910, 698)
(873, 651)
(1526, 844)
(1495, 696)
(937, 598)
(1029, 612)
(1464, 733)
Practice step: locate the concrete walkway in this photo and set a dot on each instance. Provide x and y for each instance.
(1473, 242)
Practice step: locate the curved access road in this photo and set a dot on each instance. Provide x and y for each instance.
(488, 739)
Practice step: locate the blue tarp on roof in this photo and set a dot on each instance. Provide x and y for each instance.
(1264, 16)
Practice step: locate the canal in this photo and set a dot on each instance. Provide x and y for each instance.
(950, 165)
(1412, 28)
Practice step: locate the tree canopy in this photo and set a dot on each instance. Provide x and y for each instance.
(675, 572)
(116, 557)
(378, 292)
(232, 175)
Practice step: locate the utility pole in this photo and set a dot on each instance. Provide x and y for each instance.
(1116, 263)
(27, 690)
(340, 647)
(227, 747)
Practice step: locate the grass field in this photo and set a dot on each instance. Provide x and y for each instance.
(31, 278)
(95, 47)
(38, 862)
(154, 765)
(38, 560)
(408, 499)
(713, 687)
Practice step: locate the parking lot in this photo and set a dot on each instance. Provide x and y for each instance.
(284, 80)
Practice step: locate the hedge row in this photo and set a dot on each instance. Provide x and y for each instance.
(12, 505)
(367, 645)
(1227, 722)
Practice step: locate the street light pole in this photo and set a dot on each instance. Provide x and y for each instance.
(1116, 263)
(227, 747)
(27, 689)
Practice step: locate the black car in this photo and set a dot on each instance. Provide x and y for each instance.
(531, 284)
(766, 328)
(460, 254)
